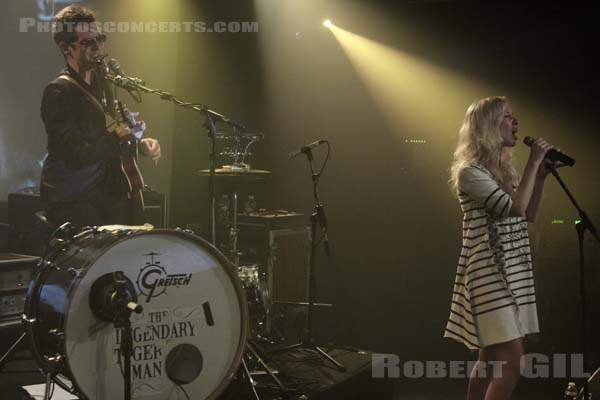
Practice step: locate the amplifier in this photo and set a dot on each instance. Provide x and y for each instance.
(280, 244)
(15, 273)
(155, 209)
(27, 234)
(288, 264)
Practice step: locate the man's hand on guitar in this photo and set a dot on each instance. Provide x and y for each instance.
(121, 130)
(150, 148)
(138, 127)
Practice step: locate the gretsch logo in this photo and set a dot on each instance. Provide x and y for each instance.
(153, 279)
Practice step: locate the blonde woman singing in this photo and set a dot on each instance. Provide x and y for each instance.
(493, 306)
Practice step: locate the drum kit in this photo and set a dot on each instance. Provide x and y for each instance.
(232, 177)
(136, 312)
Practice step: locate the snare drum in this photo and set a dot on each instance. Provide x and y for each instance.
(192, 331)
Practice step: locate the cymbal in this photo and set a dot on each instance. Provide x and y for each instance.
(236, 173)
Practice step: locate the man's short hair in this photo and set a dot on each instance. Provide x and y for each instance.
(64, 22)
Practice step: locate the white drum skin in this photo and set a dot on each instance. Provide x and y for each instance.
(190, 296)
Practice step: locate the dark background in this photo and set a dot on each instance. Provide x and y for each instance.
(394, 224)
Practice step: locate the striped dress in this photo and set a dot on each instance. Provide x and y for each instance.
(494, 295)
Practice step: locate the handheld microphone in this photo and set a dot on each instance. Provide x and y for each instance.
(306, 148)
(552, 154)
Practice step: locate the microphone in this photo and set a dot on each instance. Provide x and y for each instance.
(306, 148)
(113, 297)
(122, 82)
(100, 59)
(115, 66)
(552, 154)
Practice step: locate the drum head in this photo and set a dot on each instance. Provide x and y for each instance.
(192, 330)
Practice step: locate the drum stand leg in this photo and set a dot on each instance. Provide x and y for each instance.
(268, 370)
(256, 348)
(10, 351)
(251, 381)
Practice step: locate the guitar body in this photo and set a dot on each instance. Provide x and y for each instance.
(129, 166)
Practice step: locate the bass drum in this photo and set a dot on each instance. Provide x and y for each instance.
(190, 336)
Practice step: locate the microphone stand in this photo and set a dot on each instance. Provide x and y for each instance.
(122, 320)
(210, 124)
(211, 128)
(584, 224)
(317, 218)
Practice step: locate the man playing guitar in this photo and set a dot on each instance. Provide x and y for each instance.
(83, 180)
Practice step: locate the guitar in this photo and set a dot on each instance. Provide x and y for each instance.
(129, 156)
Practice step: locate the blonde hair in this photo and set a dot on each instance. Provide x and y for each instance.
(479, 140)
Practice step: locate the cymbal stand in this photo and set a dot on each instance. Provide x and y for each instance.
(233, 231)
(211, 128)
(316, 218)
(584, 224)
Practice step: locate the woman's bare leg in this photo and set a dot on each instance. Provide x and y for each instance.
(509, 354)
(481, 376)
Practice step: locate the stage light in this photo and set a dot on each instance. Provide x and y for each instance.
(327, 23)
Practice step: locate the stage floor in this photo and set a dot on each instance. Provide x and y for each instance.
(304, 373)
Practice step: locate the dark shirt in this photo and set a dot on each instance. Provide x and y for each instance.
(83, 164)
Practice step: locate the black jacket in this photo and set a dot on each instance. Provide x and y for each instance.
(83, 159)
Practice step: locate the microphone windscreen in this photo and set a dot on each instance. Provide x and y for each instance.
(115, 66)
(528, 140)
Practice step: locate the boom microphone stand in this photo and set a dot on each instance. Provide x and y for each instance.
(584, 224)
(212, 117)
(317, 218)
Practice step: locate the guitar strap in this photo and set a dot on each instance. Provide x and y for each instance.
(110, 121)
